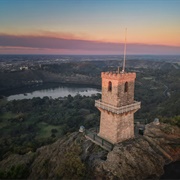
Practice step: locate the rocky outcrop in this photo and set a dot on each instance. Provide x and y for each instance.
(135, 160)
(145, 156)
(165, 139)
(66, 158)
(75, 157)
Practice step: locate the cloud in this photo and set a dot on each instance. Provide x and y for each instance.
(77, 45)
(53, 43)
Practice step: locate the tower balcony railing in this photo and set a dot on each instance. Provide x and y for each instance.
(118, 110)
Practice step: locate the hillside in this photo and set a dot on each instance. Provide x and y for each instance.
(73, 156)
(39, 138)
(85, 72)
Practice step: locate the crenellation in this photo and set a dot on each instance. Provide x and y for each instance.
(118, 76)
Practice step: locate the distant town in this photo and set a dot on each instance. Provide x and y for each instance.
(13, 63)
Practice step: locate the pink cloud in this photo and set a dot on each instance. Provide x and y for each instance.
(48, 44)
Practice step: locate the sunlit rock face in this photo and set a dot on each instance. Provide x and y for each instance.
(145, 156)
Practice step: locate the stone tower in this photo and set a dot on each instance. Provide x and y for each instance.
(117, 106)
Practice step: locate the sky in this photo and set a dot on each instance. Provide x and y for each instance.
(89, 27)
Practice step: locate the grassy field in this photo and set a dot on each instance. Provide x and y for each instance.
(45, 130)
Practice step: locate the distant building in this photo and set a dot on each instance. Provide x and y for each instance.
(23, 68)
(117, 106)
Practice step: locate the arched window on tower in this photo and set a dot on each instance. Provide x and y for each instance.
(110, 86)
(126, 87)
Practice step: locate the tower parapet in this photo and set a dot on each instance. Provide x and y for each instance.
(121, 77)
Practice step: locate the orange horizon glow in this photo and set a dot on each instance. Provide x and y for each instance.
(153, 38)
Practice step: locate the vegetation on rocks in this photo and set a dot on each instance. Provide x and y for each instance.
(75, 157)
(71, 165)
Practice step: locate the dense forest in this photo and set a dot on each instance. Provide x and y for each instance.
(30, 123)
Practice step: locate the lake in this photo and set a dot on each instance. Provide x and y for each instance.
(60, 91)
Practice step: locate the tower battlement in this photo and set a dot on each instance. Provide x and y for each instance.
(121, 77)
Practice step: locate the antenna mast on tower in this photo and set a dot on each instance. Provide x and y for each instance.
(124, 62)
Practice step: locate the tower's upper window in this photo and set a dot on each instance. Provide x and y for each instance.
(126, 87)
(110, 86)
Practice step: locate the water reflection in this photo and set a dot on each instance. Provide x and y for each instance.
(60, 91)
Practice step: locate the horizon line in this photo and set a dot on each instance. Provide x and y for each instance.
(98, 54)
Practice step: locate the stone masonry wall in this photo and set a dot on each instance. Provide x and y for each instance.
(116, 128)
